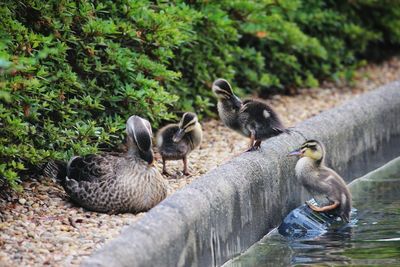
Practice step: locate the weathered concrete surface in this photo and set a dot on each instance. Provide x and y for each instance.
(228, 209)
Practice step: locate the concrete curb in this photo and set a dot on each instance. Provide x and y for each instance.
(225, 211)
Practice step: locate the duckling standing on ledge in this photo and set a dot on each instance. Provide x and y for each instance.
(176, 141)
(251, 118)
(113, 182)
(320, 181)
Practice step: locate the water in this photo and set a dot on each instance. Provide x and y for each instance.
(373, 241)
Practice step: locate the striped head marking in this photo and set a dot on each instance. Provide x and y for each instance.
(188, 120)
(222, 89)
(187, 124)
(139, 131)
(312, 149)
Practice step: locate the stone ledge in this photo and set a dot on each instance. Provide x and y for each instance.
(226, 210)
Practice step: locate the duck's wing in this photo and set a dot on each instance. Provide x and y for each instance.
(170, 149)
(164, 135)
(331, 177)
(338, 191)
(92, 167)
(176, 150)
(259, 117)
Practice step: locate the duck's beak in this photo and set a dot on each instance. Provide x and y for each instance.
(178, 135)
(236, 102)
(296, 152)
(147, 156)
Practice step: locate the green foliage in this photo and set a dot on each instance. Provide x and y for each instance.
(269, 46)
(72, 72)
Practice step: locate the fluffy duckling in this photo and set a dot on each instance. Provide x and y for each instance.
(113, 182)
(251, 118)
(320, 181)
(176, 141)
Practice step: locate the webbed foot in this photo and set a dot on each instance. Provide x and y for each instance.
(322, 209)
(255, 146)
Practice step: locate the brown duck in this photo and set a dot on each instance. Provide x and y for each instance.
(112, 182)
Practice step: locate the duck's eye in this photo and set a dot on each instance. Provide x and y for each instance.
(313, 148)
(189, 125)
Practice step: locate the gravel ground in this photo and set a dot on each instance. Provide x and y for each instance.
(41, 227)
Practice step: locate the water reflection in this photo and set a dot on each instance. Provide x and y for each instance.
(374, 240)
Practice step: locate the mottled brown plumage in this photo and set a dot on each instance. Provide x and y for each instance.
(176, 141)
(323, 183)
(113, 182)
(252, 118)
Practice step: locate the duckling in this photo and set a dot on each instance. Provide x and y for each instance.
(176, 141)
(114, 182)
(252, 117)
(326, 186)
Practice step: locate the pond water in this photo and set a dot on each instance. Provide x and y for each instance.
(374, 240)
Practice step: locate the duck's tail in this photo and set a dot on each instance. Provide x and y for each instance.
(56, 170)
(345, 208)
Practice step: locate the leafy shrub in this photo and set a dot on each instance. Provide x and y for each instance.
(72, 72)
(269, 46)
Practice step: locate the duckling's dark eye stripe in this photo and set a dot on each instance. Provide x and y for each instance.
(310, 145)
(189, 125)
(224, 85)
(193, 120)
(188, 118)
(222, 92)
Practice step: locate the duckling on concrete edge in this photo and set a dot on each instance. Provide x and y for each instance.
(252, 118)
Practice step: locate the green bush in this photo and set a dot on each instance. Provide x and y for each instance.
(269, 46)
(273, 46)
(72, 72)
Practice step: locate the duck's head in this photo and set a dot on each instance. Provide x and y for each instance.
(223, 91)
(139, 135)
(312, 149)
(187, 124)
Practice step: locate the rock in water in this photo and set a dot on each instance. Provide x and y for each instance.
(304, 223)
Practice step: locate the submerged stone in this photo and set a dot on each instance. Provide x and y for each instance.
(303, 222)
